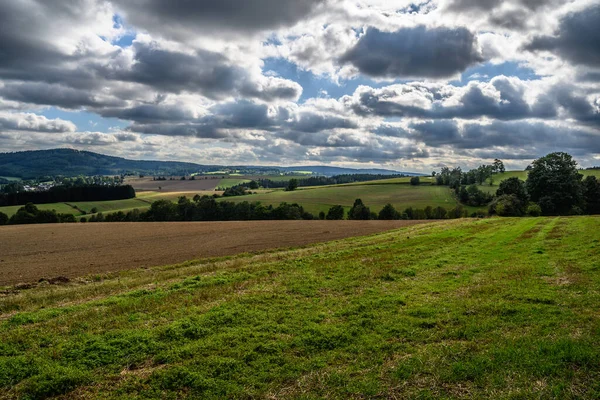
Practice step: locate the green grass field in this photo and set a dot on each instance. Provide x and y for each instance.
(141, 202)
(322, 198)
(494, 308)
(229, 182)
(59, 207)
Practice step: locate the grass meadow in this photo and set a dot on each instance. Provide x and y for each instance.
(494, 308)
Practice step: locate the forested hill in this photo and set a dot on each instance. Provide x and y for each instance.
(67, 162)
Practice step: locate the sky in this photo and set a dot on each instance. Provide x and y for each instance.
(396, 84)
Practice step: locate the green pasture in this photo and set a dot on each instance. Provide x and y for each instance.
(319, 199)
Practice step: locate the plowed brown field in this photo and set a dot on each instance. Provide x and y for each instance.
(31, 252)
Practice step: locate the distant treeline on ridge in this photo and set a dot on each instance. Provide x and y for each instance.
(60, 194)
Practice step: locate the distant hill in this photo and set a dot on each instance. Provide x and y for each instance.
(69, 162)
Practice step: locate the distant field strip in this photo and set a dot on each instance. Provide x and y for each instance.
(375, 196)
(461, 309)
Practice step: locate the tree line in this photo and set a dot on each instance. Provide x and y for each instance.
(61, 194)
(325, 180)
(554, 186)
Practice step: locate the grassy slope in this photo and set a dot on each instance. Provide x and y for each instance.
(497, 308)
(229, 182)
(59, 207)
(374, 196)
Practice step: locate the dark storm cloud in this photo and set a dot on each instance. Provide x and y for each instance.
(183, 18)
(231, 119)
(520, 135)
(325, 139)
(487, 5)
(208, 73)
(146, 113)
(57, 95)
(414, 52)
(436, 133)
(312, 122)
(378, 153)
(577, 38)
(48, 44)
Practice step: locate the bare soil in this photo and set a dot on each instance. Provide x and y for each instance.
(29, 253)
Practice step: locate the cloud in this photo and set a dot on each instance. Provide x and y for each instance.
(57, 95)
(577, 38)
(180, 19)
(531, 136)
(414, 52)
(34, 123)
(502, 98)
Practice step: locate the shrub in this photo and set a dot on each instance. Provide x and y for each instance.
(415, 180)
(335, 213)
(389, 213)
(507, 205)
(534, 210)
(3, 219)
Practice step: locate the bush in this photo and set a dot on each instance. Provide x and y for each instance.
(415, 180)
(388, 213)
(335, 213)
(534, 210)
(3, 219)
(507, 205)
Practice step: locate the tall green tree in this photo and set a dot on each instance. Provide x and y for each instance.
(515, 186)
(388, 212)
(3, 219)
(335, 213)
(555, 184)
(359, 211)
(292, 185)
(591, 195)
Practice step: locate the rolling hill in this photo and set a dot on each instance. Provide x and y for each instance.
(69, 162)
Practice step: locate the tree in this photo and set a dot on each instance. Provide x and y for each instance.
(3, 219)
(555, 184)
(498, 166)
(292, 185)
(415, 181)
(591, 195)
(516, 187)
(388, 212)
(335, 213)
(359, 211)
(322, 215)
(513, 186)
(253, 185)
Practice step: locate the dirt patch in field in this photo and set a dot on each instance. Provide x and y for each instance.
(29, 253)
